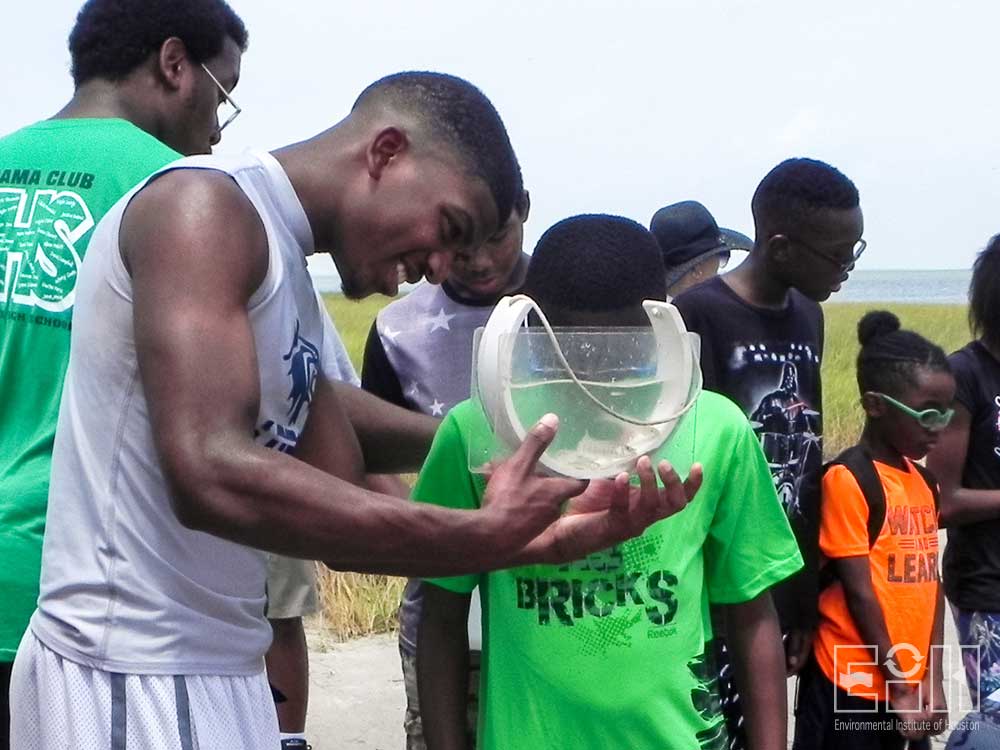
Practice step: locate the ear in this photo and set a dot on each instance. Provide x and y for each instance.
(527, 206)
(171, 62)
(779, 248)
(387, 144)
(873, 405)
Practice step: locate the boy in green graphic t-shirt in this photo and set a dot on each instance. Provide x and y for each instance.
(613, 650)
(145, 77)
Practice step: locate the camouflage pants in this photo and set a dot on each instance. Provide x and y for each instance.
(412, 722)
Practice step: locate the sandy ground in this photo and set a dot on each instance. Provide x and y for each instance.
(357, 694)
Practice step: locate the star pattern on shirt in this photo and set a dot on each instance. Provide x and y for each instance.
(437, 409)
(390, 334)
(413, 392)
(441, 320)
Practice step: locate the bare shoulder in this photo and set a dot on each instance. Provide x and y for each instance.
(187, 218)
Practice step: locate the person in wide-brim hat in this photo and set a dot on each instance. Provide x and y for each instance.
(694, 246)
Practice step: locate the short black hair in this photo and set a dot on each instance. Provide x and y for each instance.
(111, 38)
(890, 356)
(459, 114)
(798, 187)
(984, 294)
(596, 262)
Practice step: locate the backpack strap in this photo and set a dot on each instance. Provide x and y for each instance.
(859, 462)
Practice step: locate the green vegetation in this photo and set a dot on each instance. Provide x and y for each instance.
(355, 605)
(353, 320)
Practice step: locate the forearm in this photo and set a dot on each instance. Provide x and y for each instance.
(759, 661)
(959, 505)
(934, 700)
(442, 680)
(393, 440)
(963, 506)
(935, 665)
(272, 501)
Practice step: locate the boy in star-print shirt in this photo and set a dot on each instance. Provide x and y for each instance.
(419, 355)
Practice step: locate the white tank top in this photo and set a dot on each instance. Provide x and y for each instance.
(125, 587)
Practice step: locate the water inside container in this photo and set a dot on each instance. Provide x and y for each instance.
(621, 369)
(588, 437)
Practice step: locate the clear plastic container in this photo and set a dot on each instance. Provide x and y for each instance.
(620, 393)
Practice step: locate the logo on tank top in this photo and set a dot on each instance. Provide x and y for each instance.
(40, 232)
(303, 366)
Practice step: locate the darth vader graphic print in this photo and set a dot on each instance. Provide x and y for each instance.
(788, 427)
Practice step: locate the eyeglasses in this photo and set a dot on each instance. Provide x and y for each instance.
(934, 420)
(233, 109)
(856, 251)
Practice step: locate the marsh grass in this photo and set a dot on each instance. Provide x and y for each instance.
(354, 605)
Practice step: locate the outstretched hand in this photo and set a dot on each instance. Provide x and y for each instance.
(610, 511)
(519, 501)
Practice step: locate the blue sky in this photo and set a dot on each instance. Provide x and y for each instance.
(623, 107)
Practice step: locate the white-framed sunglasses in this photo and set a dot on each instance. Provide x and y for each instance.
(231, 108)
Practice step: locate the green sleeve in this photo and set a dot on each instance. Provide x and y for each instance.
(445, 480)
(750, 546)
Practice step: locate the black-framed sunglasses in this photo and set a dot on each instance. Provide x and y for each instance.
(856, 252)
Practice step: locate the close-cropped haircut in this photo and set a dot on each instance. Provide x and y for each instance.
(458, 114)
(596, 262)
(890, 356)
(111, 38)
(984, 294)
(795, 188)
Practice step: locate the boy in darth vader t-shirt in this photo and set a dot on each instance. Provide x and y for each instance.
(761, 330)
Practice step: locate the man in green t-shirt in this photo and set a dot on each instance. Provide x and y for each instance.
(612, 650)
(149, 77)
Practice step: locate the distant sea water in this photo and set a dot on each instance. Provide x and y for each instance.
(948, 287)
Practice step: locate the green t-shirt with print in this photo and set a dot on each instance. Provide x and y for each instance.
(57, 179)
(612, 651)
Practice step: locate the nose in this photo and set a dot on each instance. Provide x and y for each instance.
(478, 262)
(438, 267)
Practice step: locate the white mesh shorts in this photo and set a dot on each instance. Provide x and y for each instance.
(57, 703)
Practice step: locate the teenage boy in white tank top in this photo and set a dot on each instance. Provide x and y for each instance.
(193, 376)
